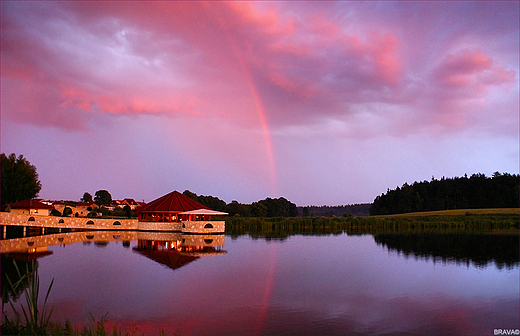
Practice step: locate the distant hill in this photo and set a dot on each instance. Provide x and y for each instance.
(338, 211)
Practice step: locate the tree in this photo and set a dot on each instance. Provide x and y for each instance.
(19, 179)
(103, 197)
(258, 209)
(87, 198)
(55, 212)
(128, 211)
(67, 212)
(306, 211)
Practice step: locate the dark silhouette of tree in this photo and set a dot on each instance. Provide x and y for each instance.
(19, 179)
(128, 211)
(258, 209)
(305, 211)
(278, 207)
(55, 212)
(477, 191)
(103, 197)
(211, 202)
(67, 211)
(87, 198)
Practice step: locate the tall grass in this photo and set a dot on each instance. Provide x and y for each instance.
(28, 319)
(279, 228)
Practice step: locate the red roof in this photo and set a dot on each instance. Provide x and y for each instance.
(172, 202)
(30, 204)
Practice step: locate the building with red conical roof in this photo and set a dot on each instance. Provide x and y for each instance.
(183, 212)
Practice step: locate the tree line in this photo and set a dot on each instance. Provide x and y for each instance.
(338, 210)
(269, 207)
(475, 192)
(19, 181)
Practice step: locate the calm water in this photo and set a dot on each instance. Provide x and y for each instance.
(302, 285)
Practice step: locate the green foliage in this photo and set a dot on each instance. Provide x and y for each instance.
(127, 211)
(278, 207)
(211, 202)
(55, 212)
(283, 227)
(306, 212)
(477, 191)
(19, 179)
(103, 197)
(67, 211)
(87, 198)
(258, 210)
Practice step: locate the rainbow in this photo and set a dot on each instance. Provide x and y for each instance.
(256, 99)
(263, 123)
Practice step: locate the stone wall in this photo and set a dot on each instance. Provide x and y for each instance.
(159, 226)
(203, 226)
(7, 218)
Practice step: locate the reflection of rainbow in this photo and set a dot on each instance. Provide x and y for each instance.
(269, 284)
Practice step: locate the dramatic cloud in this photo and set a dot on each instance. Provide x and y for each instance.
(281, 72)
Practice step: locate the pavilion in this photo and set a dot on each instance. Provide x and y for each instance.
(185, 214)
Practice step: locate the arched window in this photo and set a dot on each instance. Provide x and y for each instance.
(183, 226)
(61, 221)
(90, 222)
(31, 219)
(208, 241)
(117, 223)
(208, 226)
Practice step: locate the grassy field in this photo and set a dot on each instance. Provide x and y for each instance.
(459, 212)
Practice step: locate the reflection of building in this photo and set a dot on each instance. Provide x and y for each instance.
(172, 249)
(30, 207)
(184, 214)
(182, 250)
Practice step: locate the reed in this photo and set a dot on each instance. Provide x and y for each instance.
(488, 222)
(28, 319)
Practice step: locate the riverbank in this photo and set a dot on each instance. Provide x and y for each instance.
(489, 221)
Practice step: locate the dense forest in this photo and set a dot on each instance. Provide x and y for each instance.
(338, 210)
(475, 192)
(269, 207)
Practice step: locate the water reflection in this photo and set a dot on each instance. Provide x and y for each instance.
(16, 273)
(149, 243)
(177, 253)
(300, 285)
(480, 250)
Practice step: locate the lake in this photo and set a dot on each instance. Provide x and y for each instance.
(419, 283)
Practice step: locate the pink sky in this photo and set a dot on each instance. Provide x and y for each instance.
(318, 102)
